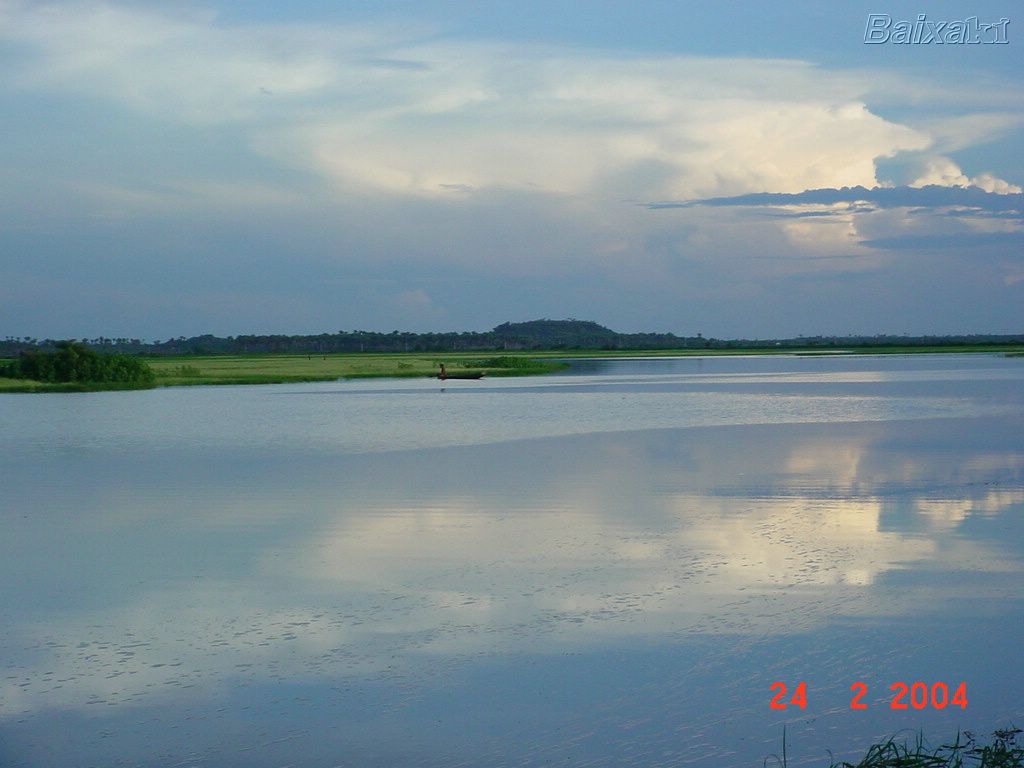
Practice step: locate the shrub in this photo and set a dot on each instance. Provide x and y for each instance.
(74, 362)
(509, 361)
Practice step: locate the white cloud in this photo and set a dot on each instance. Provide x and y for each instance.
(185, 66)
(334, 101)
(946, 173)
(605, 127)
(385, 147)
(954, 133)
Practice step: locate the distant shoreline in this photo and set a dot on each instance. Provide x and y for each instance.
(532, 336)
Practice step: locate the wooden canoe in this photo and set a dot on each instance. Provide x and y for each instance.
(461, 375)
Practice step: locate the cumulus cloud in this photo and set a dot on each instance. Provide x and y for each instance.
(377, 109)
(195, 147)
(944, 172)
(585, 126)
(372, 108)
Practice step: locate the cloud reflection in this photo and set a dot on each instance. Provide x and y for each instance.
(546, 546)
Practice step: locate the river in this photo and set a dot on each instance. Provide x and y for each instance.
(609, 566)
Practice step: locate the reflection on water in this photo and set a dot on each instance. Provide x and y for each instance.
(603, 592)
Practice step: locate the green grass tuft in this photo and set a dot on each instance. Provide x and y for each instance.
(964, 752)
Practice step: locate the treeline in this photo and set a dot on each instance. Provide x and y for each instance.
(528, 336)
(72, 362)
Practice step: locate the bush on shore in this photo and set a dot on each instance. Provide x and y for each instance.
(73, 362)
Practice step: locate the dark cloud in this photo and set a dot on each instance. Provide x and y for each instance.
(932, 196)
(852, 208)
(976, 214)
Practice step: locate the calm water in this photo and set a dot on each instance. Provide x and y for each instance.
(607, 567)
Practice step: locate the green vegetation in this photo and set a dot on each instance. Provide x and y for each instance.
(510, 362)
(74, 367)
(253, 369)
(278, 369)
(964, 752)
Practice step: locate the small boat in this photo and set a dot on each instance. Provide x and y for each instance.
(444, 375)
(466, 375)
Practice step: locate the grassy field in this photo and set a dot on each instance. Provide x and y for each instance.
(283, 368)
(27, 385)
(277, 369)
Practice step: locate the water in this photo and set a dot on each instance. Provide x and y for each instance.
(606, 567)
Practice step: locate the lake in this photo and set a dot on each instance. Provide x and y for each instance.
(610, 566)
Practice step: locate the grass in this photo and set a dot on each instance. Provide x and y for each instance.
(29, 385)
(281, 368)
(964, 752)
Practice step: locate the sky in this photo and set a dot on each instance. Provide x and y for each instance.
(732, 169)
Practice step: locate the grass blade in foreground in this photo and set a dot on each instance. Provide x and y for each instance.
(964, 752)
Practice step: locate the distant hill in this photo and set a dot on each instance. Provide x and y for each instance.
(555, 334)
(542, 334)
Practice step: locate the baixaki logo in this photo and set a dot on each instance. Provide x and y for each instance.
(882, 29)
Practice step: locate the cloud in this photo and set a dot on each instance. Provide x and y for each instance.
(378, 109)
(953, 133)
(838, 229)
(599, 127)
(184, 66)
(931, 196)
(944, 172)
(1014, 240)
(397, 111)
(219, 157)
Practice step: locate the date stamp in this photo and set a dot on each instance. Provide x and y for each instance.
(915, 695)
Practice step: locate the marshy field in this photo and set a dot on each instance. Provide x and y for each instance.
(193, 370)
(276, 369)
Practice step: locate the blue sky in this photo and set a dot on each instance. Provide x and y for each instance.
(181, 168)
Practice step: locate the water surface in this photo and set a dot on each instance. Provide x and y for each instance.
(605, 567)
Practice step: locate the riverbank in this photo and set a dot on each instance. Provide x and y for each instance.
(280, 369)
(199, 370)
